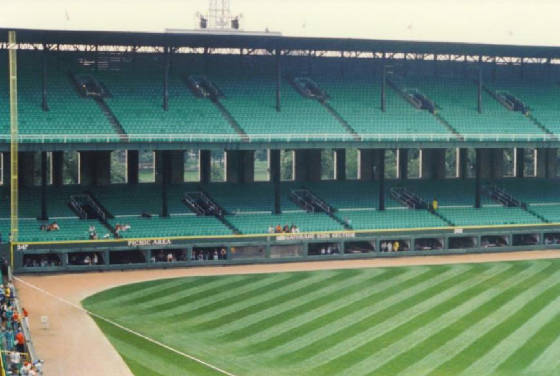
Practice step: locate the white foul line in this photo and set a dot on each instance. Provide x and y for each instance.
(156, 342)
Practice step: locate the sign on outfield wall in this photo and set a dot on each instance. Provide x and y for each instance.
(322, 235)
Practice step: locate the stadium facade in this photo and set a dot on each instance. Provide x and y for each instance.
(479, 125)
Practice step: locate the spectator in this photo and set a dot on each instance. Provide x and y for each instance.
(223, 253)
(20, 341)
(15, 359)
(396, 246)
(25, 316)
(435, 204)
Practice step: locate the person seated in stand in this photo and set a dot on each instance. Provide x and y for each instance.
(270, 229)
(296, 229)
(293, 228)
(286, 229)
(396, 246)
(278, 229)
(435, 204)
(53, 227)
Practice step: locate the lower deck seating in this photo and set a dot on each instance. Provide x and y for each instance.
(390, 218)
(549, 212)
(256, 197)
(306, 222)
(488, 215)
(175, 225)
(70, 229)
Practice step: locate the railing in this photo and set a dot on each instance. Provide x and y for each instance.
(284, 137)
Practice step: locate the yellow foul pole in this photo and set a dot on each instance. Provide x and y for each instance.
(12, 46)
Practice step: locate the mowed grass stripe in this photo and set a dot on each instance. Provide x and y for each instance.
(274, 301)
(486, 342)
(463, 322)
(274, 287)
(395, 322)
(549, 358)
(524, 355)
(417, 337)
(276, 316)
(116, 293)
(472, 331)
(325, 343)
(201, 293)
(223, 295)
(190, 323)
(439, 307)
(329, 318)
(138, 369)
(179, 286)
(149, 354)
(282, 323)
(510, 343)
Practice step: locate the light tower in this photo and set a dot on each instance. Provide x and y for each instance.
(219, 14)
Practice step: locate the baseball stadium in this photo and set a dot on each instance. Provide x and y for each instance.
(222, 201)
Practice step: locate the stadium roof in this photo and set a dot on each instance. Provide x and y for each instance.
(197, 38)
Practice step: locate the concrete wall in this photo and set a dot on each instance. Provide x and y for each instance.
(340, 164)
(491, 163)
(369, 163)
(547, 163)
(58, 168)
(132, 160)
(240, 166)
(433, 163)
(26, 168)
(95, 167)
(176, 166)
(307, 164)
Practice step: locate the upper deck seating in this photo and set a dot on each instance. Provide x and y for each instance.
(136, 100)
(357, 101)
(457, 101)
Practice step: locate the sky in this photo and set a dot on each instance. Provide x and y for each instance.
(516, 22)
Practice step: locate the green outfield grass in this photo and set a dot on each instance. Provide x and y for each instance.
(479, 319)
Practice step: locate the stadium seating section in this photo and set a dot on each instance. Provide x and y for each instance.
(457, 103)
(248, 85)
(249, 208)
(136, 101)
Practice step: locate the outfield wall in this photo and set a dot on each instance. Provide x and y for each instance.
(246, 249)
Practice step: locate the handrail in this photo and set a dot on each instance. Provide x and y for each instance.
(274, 137)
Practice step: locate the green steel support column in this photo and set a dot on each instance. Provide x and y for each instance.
(44, 214)
(44, 103)
(383, 86)
(164, 181)
(478, 168)
(274, 161)
(277, 54)
(132, 159)
(57, 168)
(403, 164)
(166, 80)
(366, 162)
(205, 166)
(463, 163)
(381, 176)
(479, 89)
(340, 164)
(520, 171)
